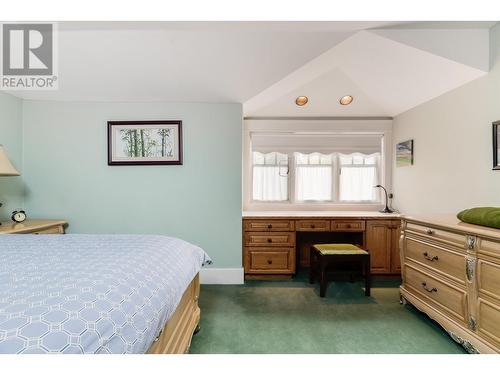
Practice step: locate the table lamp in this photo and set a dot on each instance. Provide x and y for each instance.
(6, 167)
(386, 210)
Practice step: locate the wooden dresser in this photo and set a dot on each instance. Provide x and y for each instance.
(451, 271)
(275, 242)
(33, 226)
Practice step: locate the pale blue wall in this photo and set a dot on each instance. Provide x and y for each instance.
(67, 176)
(11, 188)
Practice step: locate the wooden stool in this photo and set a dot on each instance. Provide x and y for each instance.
(324, 255)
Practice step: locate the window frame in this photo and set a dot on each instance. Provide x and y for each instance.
(381, 127)
(336, 167)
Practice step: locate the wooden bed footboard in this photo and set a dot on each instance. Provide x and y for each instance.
(176, 335)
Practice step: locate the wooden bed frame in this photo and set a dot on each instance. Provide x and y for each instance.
(176, 335)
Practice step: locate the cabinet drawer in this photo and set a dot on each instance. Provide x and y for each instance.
(52, 230)
(491, 248)
(313, 225)
(348, 226)
(451, 299)
(440, 235)
(488, 322)
(270, 260)
(446, 262)
(268, 225)
(488, 275)
(269, 239)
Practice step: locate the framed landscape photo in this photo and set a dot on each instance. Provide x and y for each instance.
(404, 153)
(156, 142)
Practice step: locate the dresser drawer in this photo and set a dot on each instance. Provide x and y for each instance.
(52, 230)
(488, 275)
(313, 225)
(348, 226)
(446, 262)
(435, 234)
(488, 322)
(450, 299)
(269, 239)
(270, 260)
(268, 225)
(488, 247)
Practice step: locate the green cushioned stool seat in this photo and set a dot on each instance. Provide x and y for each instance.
(339, 249)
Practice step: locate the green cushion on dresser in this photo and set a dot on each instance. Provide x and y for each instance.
(485, 216)
(339, 249)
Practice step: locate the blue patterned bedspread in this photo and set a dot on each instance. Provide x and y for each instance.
(90, 293)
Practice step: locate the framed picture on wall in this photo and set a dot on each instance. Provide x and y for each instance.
(404, 153)
(145, 142)
(496, 145)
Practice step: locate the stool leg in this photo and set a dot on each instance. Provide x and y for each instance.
(368, 278)
(322, 282)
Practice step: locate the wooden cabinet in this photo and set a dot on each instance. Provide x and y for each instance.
(382, 242)
(451, 272)
(33, 226)
(273, 245)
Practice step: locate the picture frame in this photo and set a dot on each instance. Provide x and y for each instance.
(404, 153)
(496, 146)
(154, 142)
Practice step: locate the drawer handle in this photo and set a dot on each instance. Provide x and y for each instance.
(269, 261)
(269, 240)
(430, 232)
(432, 259)
(269, 226)
(348, 226)
(427, 289)
(313, 226)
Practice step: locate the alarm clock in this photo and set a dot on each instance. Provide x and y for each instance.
(18, 216)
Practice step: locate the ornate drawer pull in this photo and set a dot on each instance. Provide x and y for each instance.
(430, 232)
(471, 242)
(269, 261)
(430, 290)
(432, 259)
(269, 226)
(269, 240)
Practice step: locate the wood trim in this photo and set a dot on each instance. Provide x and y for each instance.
(176, 335)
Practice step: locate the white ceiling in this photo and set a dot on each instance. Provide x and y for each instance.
(387, 66)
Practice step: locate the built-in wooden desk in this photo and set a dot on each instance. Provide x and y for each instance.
(275, 242)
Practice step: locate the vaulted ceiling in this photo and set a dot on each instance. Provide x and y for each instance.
(388, 67)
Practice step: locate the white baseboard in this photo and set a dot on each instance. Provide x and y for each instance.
(222, 276)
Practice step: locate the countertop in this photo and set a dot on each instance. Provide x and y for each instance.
(336, 214)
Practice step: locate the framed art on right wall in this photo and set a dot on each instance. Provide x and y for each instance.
(496, 146)
(404, 153)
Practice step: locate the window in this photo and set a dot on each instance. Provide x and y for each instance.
(313, 177)
(304, 169)
(358, 176)
(270, 176)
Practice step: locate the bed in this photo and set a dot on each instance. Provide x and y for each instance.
(98, 293)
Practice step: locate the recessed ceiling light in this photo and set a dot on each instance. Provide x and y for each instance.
(346, 100)
(301, 100)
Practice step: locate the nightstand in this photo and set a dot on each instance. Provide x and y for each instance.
(33, 226)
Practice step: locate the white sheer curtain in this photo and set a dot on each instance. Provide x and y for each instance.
(358, 176)
(270, 176)
(313, 177)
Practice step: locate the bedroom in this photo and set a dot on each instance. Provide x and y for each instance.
(251, 158)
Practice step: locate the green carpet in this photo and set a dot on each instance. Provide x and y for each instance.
(290, 317)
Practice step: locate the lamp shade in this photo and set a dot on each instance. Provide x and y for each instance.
(6, 167)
